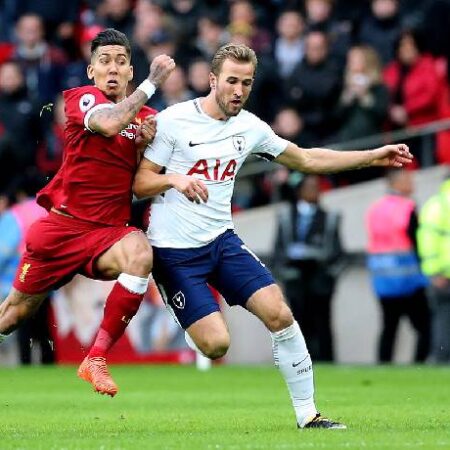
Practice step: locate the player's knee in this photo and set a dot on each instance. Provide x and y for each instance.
(144, 260)
(279, 317)
(215, 347)
(140, 259)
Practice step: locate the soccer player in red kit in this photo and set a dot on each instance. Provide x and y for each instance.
(89, 202)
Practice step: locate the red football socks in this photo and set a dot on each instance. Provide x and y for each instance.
(121, 306)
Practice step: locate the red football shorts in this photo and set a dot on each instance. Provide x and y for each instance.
(59, 247)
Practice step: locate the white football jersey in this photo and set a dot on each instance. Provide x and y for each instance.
(190, 142)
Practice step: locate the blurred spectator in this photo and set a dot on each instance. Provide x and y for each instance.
(289, 45)
(434, 249)
(42, 63)
(59, 19)
(76, 72)
(117, 14)
(362, 107)
(19, 124)
(381, 28)
(308, 254)
(14, 224)
(50, 151)
(415, 87)
(364, 100)
(289, 125)
(185, 14)
(243, 16)
(210, 36)
(319, 17)
(397, 280)
(150, 21)
(313, 89)
(174, 90)
(198, 77)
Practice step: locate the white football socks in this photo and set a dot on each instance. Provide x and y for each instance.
(292, 358)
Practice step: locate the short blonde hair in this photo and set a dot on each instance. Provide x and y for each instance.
(372, 62)
(238, 52)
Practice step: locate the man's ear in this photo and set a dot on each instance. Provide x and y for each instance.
(90, 72)
(212, 81)
(131, 74)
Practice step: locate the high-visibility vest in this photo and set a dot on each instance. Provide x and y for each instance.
(433, 237)
(392, 261)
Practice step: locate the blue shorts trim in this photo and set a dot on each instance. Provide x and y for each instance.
(184, 276)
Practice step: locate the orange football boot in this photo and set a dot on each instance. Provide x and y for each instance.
(95, 371)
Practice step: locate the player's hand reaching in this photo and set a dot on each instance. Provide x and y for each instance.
(146, 131)
(160, 68)
(145, 134)
(396, 155)
(192, 188)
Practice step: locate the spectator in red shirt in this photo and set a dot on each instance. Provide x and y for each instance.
(415, 85)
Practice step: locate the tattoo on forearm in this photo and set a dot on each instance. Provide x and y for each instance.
(123, 112)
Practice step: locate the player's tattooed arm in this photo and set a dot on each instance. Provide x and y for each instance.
(111, 121)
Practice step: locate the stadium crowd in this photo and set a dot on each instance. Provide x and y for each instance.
(329, 70)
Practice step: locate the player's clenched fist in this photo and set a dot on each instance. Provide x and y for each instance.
(192, 188)
(160, 68)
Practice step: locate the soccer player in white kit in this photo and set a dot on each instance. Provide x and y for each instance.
(202, 143)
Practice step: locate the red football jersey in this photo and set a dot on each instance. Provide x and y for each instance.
(95, 180)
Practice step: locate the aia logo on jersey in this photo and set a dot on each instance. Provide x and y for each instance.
(178, 300)
(86, 102)
(221, 171)
(239, 143)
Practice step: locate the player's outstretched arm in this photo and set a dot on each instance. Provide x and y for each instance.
(148, 182)
(111, 121)
(322, 160)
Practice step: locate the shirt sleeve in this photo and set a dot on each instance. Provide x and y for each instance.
(80, 103)
(269, 145)
(161, 149)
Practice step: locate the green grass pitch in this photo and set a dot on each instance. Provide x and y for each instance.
(169, 407)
